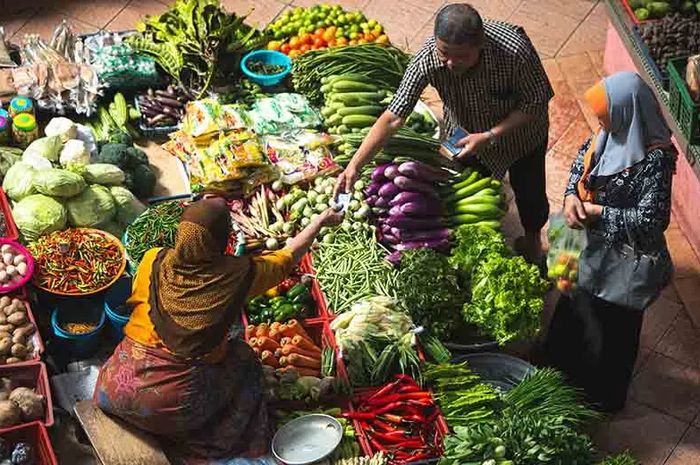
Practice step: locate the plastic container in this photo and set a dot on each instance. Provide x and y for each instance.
(5, 130)
(24, 130)
(34, 376)
(269, 57)
(35, 435)
(11, 227)
(116, 297)
(501, 371)
(157, 132)
(78, 346)
(681, 103)
(19, 105)
(36, 337)
(30, 266)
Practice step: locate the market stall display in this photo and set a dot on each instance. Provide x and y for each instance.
(155, 227)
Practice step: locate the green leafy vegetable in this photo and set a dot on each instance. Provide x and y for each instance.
(507, 299)
(428, 288)
(625, 458)
(474, 245)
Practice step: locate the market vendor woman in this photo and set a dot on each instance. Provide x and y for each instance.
(493, 85)
(176, 374)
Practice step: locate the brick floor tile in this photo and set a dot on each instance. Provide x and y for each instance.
(642, 358)
(597, 60)
(689, 292)
(401, 20)
(557, 168)
(681, 342)
(547, 28)
(135, 12)
(590, 34)
(685, 261)
(261, 11)
(563, 109)
(668, 386)
(48, 19)
(576, 10)
(657, 320)
(575, 135)
(688, 450)
(417, 41)
(496, 9)
(17, 19)
(580, 74)
(649, 434)
(98, 14)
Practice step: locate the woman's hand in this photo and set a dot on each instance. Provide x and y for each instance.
(593, 211)
(574, 212)
(331, 218)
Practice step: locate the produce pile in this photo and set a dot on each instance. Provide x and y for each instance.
(674, 36)
(156, 227)
(651, 9)
(20, 404)
(291, 299)
(17, 341)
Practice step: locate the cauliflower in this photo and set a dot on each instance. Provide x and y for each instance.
(62, 127)
(74, 153)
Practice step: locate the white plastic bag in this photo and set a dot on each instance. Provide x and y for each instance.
(565, 247)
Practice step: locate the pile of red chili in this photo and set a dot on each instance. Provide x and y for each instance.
(400, 419)
(75, 261)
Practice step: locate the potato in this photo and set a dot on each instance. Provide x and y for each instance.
(19, 350)
(29, 402)
(3, 336)
(5, 301)
(10, 414)
(25, 330)
(5, 345)
(3, 318)
(17, 318)
(7, 328)
(13, 360)
(19, 339)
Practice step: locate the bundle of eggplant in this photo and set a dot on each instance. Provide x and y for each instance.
(406, 202)
(163, 108)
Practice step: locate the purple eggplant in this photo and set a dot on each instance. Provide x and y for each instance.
(373, 188)
(408, 223)
(406, 197)
(389, 190)
(393, 240)
(424, 208)
(422, 172)
(421, 234)
(394, 258)
(382, 202)
(391, 171)
(438, 244)
(378, 174)
(408, 184)
(372, 200)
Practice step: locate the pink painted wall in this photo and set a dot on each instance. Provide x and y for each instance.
(686, 185)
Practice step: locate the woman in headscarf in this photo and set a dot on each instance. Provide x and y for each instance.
(620, 187)
(176, 374)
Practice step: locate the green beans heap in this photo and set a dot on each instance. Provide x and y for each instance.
(156, 227)
(381, 65)
(352, 268)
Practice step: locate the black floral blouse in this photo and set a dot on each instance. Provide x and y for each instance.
(639, 197)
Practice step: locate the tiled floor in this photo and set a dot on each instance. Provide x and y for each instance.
(662, 422)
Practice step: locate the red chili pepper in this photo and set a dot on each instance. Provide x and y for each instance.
(377, 445)
(421, 402)
(394, 437)
(410, 388)
(359, 415)
(384, 391)
(418, 395)
(419, 455)
(384, 426)
(388, 408)
(410, 444)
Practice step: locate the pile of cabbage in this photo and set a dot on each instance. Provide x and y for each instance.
(54, 186)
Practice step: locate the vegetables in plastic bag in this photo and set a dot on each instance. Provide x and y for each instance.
(565, 246)
(74, 153)
(58, 183)
(62, 127)
(128, 206)
(36, 161)
(19, 181)
(39, 214)
(103, 173)
(48, 147)
(94, 206)
(8, 157)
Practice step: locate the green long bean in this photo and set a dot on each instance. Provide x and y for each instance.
(156, 227)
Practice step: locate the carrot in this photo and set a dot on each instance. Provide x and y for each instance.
(275, 326)
(296, 329)
(250, 331)
(283, 361)
(257, 351)
(282, 329)
(252, 341)
(304, 361)
(266, 343)
(269, 359)
(278, 353)
(263, 330)
(292, 349)
(285, 340)
(304, 371)
(305, 344)
(275, 334)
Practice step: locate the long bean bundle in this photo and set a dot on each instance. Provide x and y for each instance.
(352, 268)
(156, 227)
(381, 65)
(406, 144)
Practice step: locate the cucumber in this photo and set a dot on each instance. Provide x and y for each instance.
(121, 112)
(496, 184)
(483, 210)
(350, 96)
(343, 129)
(106, 120)
(327, 112)
(470, 189)
(326, 88)
(359, 102)
(334, 120)
(465, 218)
(359, 121)
(344, 77)
(472, 178)
(493, 224)
(352, 86)
(372, 110)
(478, 199)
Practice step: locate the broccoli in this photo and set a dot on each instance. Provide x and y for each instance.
(120, 137)
(144, 180)
(137, 157)
(116, 154)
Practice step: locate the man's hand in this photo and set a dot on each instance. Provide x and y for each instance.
(472, 144)
(331, 218)
(345, 182)
(574, 212)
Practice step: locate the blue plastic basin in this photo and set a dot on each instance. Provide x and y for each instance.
(269, 57)
(78, 346)
(115, 297)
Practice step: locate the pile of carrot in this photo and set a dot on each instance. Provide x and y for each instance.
(285, 347)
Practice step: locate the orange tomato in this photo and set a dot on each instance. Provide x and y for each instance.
(294, 54)
(294, 43)
(371, 36)
(319, 43)
(332, 30)
(316, 47)
(306, 39)
(285, 48)
(342, 41)
(304, 48)
(383, 39)
(320, 31)
(332, 43)
(328, 36)
(352, 42)
(274, 45)
(362, 41)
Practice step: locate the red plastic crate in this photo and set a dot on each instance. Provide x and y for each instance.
(32, 375)
(35, 435)
(12, 231)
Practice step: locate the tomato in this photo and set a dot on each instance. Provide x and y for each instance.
(273, 45)
(319, 42)
(352, 42)
(294, 54)
(316, 47)
(362, 42)
(371, 36)
(306, 39)
(285, 48)
(320, 31)
(328, 36)
(304, 48)
(342, 41)
(383, 39)
(294, 43)
(332, 43)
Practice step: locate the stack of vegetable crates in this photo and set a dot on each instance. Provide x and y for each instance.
(683, 108)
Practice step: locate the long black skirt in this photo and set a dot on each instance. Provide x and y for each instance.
(595, 344)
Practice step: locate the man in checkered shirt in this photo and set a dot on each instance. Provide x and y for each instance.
(493, 85)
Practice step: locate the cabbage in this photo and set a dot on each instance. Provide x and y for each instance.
(74, 153)
(48, 147)
(38, 214)
(94, 206)
(64, 128)
(103, 173)
(128, 206)
(8, 157)
(19, 181)
(36, 161)
(58, 183)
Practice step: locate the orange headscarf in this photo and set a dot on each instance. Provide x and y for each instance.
(598, 101)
